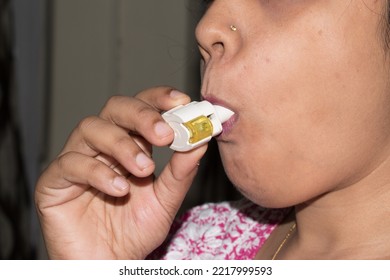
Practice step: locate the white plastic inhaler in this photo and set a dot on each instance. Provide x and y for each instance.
(195, 124)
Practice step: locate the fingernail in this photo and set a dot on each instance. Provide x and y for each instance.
(162, 129)
(143, 161)
(176, 94)
(120, 183)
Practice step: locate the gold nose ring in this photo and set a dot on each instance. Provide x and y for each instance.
(233, 28)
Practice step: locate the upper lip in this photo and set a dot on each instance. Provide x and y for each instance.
(216, 101)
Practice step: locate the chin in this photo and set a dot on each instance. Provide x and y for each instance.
(249, 187)
(264, 191)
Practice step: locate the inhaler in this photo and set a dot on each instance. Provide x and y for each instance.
(195, 124)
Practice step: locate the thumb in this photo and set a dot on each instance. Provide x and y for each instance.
(175, 180)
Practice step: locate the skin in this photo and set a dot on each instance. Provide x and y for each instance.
(318, 74)
(308, 81)
(84, 214)
(310, 69)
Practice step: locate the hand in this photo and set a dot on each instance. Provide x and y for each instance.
(99, 199)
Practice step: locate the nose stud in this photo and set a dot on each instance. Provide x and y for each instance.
(233, 28)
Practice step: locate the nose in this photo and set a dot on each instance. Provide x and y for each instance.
(217, 35)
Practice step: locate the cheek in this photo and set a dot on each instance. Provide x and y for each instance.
(313, 128)
(275, 173)
(301, 149)
(311, 104)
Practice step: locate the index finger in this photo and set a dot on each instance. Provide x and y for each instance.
(141, 114)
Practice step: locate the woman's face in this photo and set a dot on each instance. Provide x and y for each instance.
(309, 83)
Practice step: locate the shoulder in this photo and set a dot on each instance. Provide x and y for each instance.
(227, 230)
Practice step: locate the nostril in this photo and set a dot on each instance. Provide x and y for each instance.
(218, 48)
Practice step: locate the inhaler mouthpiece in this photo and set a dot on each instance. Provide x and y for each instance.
(195, 124)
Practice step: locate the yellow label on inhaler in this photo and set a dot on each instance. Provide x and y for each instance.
(199, 128)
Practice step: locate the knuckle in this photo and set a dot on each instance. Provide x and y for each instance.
(121, 144)
(72, 161)
(114, 100)
(86, 124)
(64, 160)
(62, 163)
(112, 104)
(153, 92)
(144, 113)
(96, 167)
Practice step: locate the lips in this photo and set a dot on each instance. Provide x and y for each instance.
(228, 125)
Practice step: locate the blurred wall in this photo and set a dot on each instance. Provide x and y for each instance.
(102, 48)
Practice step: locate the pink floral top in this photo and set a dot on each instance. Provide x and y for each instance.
(223, 231)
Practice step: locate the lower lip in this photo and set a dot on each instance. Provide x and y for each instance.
(227, 127)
